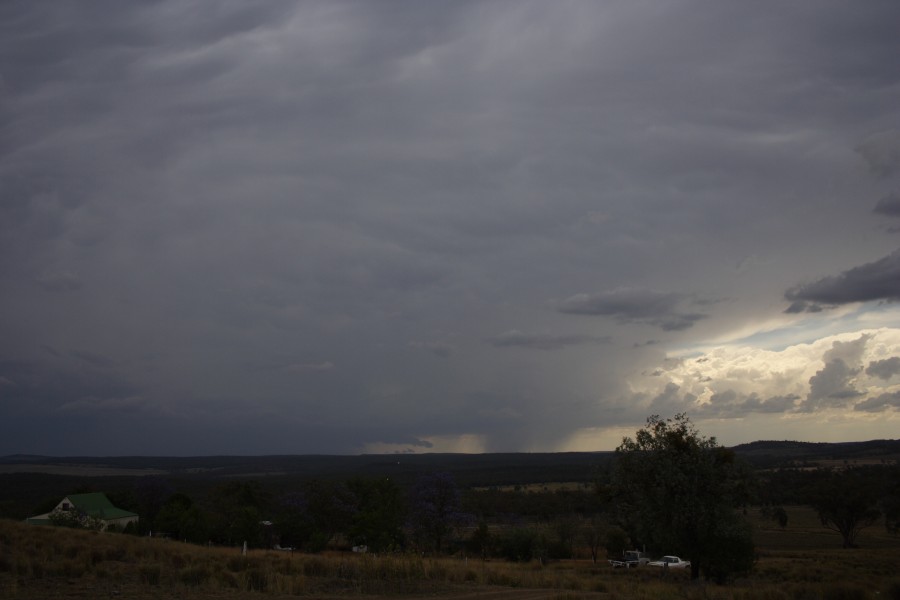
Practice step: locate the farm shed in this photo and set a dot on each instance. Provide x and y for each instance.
(95, 505)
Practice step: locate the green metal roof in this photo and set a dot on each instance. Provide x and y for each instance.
(98, 505)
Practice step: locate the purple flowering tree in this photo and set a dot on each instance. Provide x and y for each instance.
(435, 510)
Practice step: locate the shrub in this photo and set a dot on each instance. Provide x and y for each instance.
(518, 544)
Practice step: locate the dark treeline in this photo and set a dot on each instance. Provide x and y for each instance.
(432, 514)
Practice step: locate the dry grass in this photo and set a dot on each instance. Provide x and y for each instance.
(40, 562)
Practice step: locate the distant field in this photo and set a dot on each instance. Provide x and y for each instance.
(804, 531)
(77, 470)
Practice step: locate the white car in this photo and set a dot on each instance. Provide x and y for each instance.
(670, 562)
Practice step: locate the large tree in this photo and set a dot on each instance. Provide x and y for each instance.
(677, 493)
(847, 502)
(378, 515)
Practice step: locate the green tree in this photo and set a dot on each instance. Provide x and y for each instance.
(150, 493)
(236, 512)
(775, 513)
(182, 519)
(677, 492)
(520, 544)
(847, 503)
(562, 544)
(75, 519)
(330, 506)
(377, 520)
(293, 521)
(593, 534)
(481, 540)
(616, 541)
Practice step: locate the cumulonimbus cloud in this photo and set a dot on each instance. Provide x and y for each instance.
(843, 373)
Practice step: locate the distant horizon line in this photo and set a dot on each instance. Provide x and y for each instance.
(22, 455)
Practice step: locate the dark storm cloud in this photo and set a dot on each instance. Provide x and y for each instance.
(630, 305)
(884, 369)
(801, 306)
(879, 280)
(543, 341)
(257, 224)
(889, 205)
(44, 387)
(415, 443)
(625, 303)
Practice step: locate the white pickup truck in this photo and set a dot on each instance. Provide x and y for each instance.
(671, 562)
(630, 558)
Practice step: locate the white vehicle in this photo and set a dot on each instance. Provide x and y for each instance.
(630, 559)
(670, 562)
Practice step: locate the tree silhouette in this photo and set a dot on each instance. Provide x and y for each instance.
(677, 491)
(847, 504)
(379, 511)
(435, 510)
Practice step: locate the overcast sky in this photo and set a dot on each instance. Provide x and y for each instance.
(378, 226)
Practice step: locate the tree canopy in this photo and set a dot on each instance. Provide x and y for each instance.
(676, 493)
(847, 503)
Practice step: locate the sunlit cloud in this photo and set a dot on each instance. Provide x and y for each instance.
(842, 371)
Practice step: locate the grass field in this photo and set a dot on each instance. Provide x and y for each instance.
(802, 561)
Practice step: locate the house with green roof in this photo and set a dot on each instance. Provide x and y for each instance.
(95, 506)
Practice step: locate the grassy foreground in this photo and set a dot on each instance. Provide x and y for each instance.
(43, 562)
